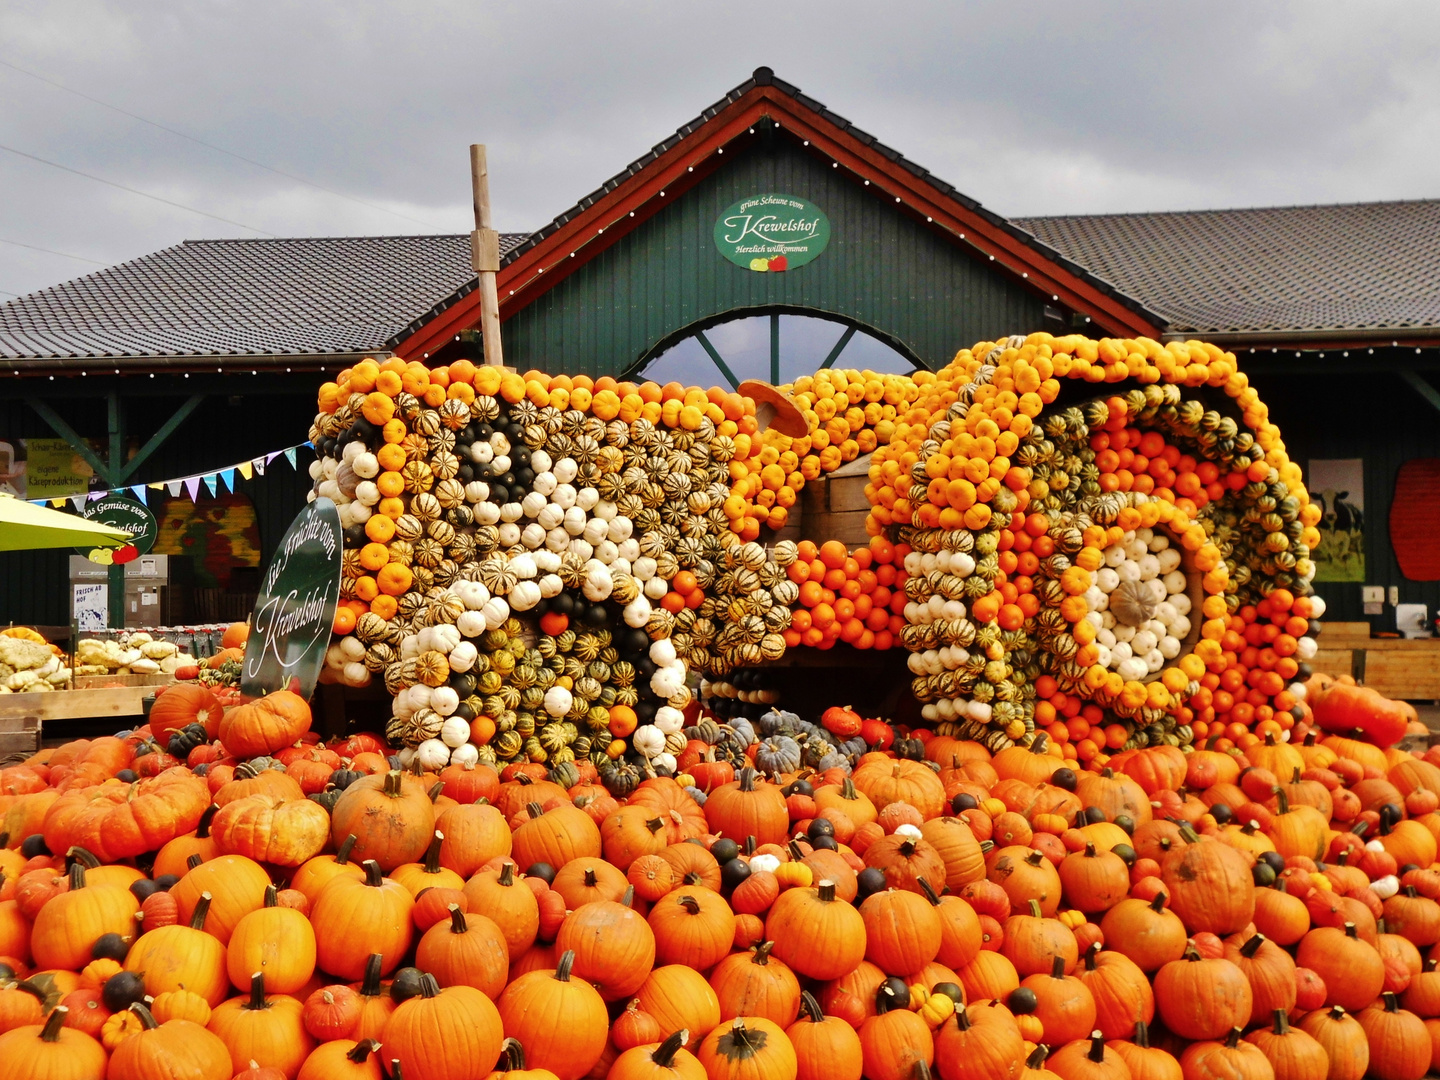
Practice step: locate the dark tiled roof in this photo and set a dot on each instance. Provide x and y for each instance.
(1363, 266)
(243, 297)
(764, 76)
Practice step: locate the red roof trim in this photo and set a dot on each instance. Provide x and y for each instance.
(532, 272)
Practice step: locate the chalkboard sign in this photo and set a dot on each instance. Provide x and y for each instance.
(290, 629)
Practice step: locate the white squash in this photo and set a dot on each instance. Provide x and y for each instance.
(455, 732)
(433, 754)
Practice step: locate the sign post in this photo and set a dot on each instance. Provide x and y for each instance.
(485, 257)
(290, 628)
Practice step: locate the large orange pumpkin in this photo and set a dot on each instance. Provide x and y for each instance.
(182, 704)
(265, 725)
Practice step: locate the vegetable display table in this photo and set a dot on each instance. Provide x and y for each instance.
(1403, 668)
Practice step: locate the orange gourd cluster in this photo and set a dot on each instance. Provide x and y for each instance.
(856, 597)
(936, 910)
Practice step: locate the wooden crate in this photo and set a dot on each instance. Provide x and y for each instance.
(1408, 670)
(101, 682)
(115, 701)
(19, 734)
(1336, 662)
(835, 507)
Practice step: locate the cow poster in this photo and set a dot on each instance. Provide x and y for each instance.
(1338, 486)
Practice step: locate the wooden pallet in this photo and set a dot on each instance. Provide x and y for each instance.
(19, 734)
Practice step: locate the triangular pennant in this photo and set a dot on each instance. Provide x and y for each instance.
(211, 480)
(173, 486)
(228, 475)
(92, 496)
(259, 464)
(271, 456)
(77, 501)
(192, 485)
(156, 486)
(290, 455)
(247, 469)
(139, 492)
(57, 503)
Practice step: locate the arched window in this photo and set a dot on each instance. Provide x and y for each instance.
(776, 347)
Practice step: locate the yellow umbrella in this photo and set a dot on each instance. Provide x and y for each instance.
(25, 526)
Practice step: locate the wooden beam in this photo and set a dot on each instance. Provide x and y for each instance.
(158, 439)
(485, 257)
(65, 431)
(1421, 387)
(839, 347)
(719, 363)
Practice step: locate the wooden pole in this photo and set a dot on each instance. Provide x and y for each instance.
(485, 257)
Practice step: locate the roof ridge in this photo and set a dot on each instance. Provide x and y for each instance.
(1225, 210)
(306, 239)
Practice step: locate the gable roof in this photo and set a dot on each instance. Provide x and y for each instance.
(1268, 272)
(670, 167)
(242, 298)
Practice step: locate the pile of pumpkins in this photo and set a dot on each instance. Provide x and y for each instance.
(1113, 550)
(271, 906)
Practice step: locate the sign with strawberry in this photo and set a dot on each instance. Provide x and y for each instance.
(770, 233)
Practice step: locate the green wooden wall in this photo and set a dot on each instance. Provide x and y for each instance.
(882, 270)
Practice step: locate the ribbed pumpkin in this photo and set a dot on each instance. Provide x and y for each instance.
(1144, 1061)
(509, 902)
(961, 937)
(561, 1022)
(236, 886)
(449, 1034)
(390, 815)
(1352, 970)
(1399, 1041)
(184, 957)
(69, 924)
(1148, 933)
(692, 926)
(555, 837)
(1293, 1054)
(958, 849)
(50, 1051)
(181, 704)
(278, 941)
(1200, 998)
(465, 950)
(373, 913)
(747, 1047)
(970, 1046)
(826, 1048)
(667, 1060)
(264, 1029)
(754, 984)
(474, 834)
(1122, 993)
(679, 997)
(802, 917)
(748, 806)
(1210, 887)
(902, 931)
(1345, 1042)
(613, 945)
(175, 1048)
(895, 1042)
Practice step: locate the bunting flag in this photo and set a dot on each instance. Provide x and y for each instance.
(189, 484)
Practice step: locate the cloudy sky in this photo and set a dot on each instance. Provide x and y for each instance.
(355, 116)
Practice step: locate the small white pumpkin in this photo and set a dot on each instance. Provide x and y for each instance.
(472, 624)
(433, 754)
(649, 740)
(444, 700)
(669, 720)
(462, 658)
(496, 611)
(525, 595)
(558, 701)
(353, 674)
(455, 732)
(468, 754)
(637, 613)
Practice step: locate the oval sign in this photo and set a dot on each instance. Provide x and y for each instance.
(126, 513)
(1415, 519)
(290, 628)
(771, 232)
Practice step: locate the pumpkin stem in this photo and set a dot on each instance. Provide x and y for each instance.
(627, 898)
(428, 986)
(1392, 1003)
(147, 1021)
(1191, 953)
(1430, 964)
(847, 789)
(1282, 1022)
(512, 1056)
(750, 845)
(391, 784)
(747, 779)
(810, 1006)
(1336, 1012)
(362, 1050)
(1409, 891)
(1039, 742)
(272, 896)
(458, 925)
(1295, 776)
(1037, 1057)
(1142, 1035)
(590, 879)
(665, 1053)
(370, 985)
(193, 860)
(1350, 931)
(692, 877)
(962, 1018)
(342, 853)
(689, 903)
(202, 829)
(907, 847)
(77, 876)
(202, 909)
(1033, 858)
(825, 891)
(1282, 801)
(534, 809)
(762, 953)
(436, 790)
(432, 853)
(1057, 967)
(987, 846)
(796, 855)
(374, 877)
(654, 825)
(1097, 1048)
(507, 874)
(928, 890)
(257, 993)
(84, 856)
(1233, 1039)
(566, 962)
(921, 1071)
(1251, 947)
(1188, 834)
(54, 1022)
(1091, 954)
(1157, 903)
(395, 1073)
